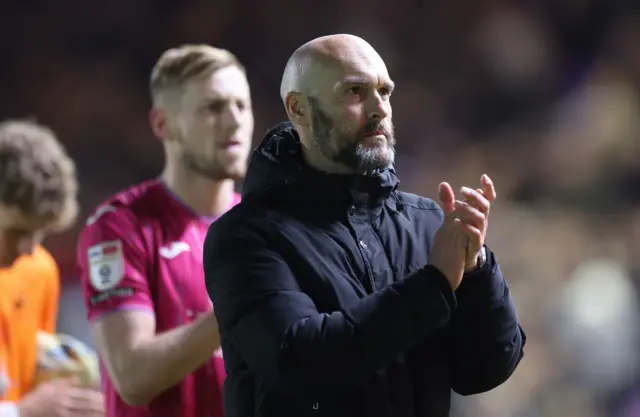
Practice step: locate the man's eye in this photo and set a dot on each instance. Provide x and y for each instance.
(384, 92)
(216, 106)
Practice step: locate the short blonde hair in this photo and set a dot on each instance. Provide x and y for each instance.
(178, 65)
(38, 183)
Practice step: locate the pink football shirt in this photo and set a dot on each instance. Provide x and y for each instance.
(142, 250)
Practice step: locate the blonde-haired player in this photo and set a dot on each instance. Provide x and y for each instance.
(140, 253)
(38, 195)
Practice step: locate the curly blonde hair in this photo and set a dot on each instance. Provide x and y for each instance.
(38, 184)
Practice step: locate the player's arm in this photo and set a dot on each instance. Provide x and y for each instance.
(277, 330)
(141, 363)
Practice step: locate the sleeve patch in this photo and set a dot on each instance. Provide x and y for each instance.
(106, 265)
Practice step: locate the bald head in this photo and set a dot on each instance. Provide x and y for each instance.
(336, 92)
(305, 66)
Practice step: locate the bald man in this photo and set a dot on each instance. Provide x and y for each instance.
(337, 294)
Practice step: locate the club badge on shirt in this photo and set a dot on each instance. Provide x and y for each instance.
(106, 265)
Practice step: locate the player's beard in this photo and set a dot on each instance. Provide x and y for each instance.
(204, 166)
(209, 166)
(347, 148)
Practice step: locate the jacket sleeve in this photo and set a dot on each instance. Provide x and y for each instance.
(486, 340)
(274, 326)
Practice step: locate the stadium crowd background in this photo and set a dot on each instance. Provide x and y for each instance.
(544, 96)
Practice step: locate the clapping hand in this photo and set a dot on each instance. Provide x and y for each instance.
(473, 211)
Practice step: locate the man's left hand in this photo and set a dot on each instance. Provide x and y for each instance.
(474, 212)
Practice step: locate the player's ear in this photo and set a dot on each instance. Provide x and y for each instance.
(158, 122)
(297, 109)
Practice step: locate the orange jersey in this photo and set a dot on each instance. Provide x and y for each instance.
(29, 294)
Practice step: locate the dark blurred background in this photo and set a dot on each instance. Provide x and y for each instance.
(541, 95)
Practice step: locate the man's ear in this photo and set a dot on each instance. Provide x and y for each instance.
(158, 122)
(297, 109)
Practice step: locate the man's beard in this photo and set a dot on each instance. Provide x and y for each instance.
(206, 168)
(209, 167)
(350, 150)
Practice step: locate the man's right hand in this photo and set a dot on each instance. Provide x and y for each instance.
(449, 250)
(62, 398)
